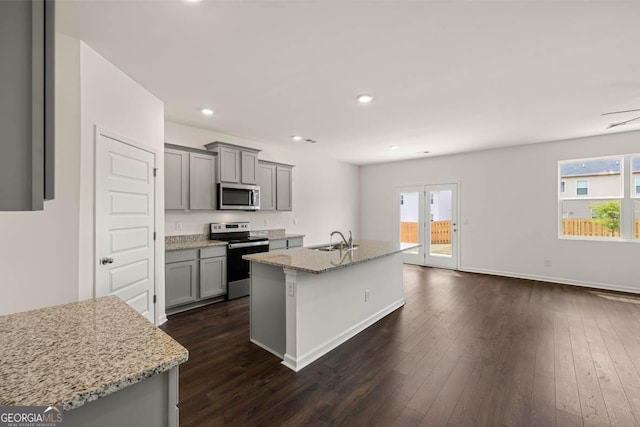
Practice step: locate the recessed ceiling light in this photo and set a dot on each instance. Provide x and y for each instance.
(364, 99)
(207, 111)
(192, 1)
(296, 138)
(393, 147)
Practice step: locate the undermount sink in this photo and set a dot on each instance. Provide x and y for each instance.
(334, 247)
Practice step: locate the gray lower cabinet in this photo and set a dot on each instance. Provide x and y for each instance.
(181, 279)
(213, 275)
(193, 276)
(293, 242)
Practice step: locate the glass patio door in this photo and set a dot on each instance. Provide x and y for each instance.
(429, 215)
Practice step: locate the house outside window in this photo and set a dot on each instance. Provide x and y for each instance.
(592, 202)
(582, 188)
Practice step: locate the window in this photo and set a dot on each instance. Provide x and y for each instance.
(582, 188)
(637, 185)
(592, 202)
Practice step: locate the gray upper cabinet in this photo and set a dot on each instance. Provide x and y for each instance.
(27, 103)
(176, 179)
(202, 181)
(249, 169)
(276, 184)
(229, 159)
(189, 179)
(267, 183)
(236, 164)
(284, 187)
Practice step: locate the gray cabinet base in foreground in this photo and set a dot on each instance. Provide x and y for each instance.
(152, 402)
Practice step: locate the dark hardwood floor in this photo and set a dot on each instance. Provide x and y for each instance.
(465, 350)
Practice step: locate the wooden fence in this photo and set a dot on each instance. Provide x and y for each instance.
(587, 227)
(440, 232)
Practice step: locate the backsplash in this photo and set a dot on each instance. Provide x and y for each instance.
(182, 223)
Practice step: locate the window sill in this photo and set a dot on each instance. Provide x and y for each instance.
(599, 239)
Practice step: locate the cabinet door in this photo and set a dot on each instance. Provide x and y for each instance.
(176, 179)
(277, 244)
(181, 279)
(213, 277)
(267, 183)
(249, 168)
(229, 159)
(26, 104)
(295, 242)
(284, 187)
(202, 181)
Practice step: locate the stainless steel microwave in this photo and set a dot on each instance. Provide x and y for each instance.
(239, 197)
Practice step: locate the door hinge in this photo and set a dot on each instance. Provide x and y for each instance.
(154, 235)
(155, 171)
(154, 299)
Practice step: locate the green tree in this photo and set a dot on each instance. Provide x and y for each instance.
(607, 214)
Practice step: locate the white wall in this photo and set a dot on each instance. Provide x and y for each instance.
(39, 250)
(325, 191)
(113, 101)
(509, 211)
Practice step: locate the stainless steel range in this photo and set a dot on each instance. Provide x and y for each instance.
(240, 242)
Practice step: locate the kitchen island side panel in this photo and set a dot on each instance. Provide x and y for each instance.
(268, 309)
(325, 310)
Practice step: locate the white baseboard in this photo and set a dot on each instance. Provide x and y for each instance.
(297, 364)
(163, 319)
(560, 280)
(269, 349)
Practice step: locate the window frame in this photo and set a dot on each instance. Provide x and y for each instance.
(586, 187)
(626, 198)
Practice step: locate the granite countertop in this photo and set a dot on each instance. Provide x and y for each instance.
(196, 241)
(75, 353)
(313, 261)
(190, 241)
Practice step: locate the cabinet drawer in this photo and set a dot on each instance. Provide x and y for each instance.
(295, 242)
(277, 244)
(181, 255)
(213, 251)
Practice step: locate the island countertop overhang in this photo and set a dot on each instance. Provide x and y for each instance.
(313, 261)
(75, 353)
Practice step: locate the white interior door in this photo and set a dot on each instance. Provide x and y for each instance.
(429, 215)
(125, 222)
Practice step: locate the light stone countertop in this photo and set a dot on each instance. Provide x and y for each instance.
(75, 353)
(190, 241)
(314, 261)
(196, 241)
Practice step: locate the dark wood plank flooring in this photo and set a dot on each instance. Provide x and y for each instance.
(465, 350)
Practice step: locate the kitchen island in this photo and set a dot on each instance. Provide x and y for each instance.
(98, 360)
(306, 301)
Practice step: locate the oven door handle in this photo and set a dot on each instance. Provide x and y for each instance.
(247, 244)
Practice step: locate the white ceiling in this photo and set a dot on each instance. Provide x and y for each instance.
(447, 77)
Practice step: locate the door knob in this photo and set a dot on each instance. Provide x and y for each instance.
(106, 260)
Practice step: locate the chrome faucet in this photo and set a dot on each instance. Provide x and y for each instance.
(349, 242)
